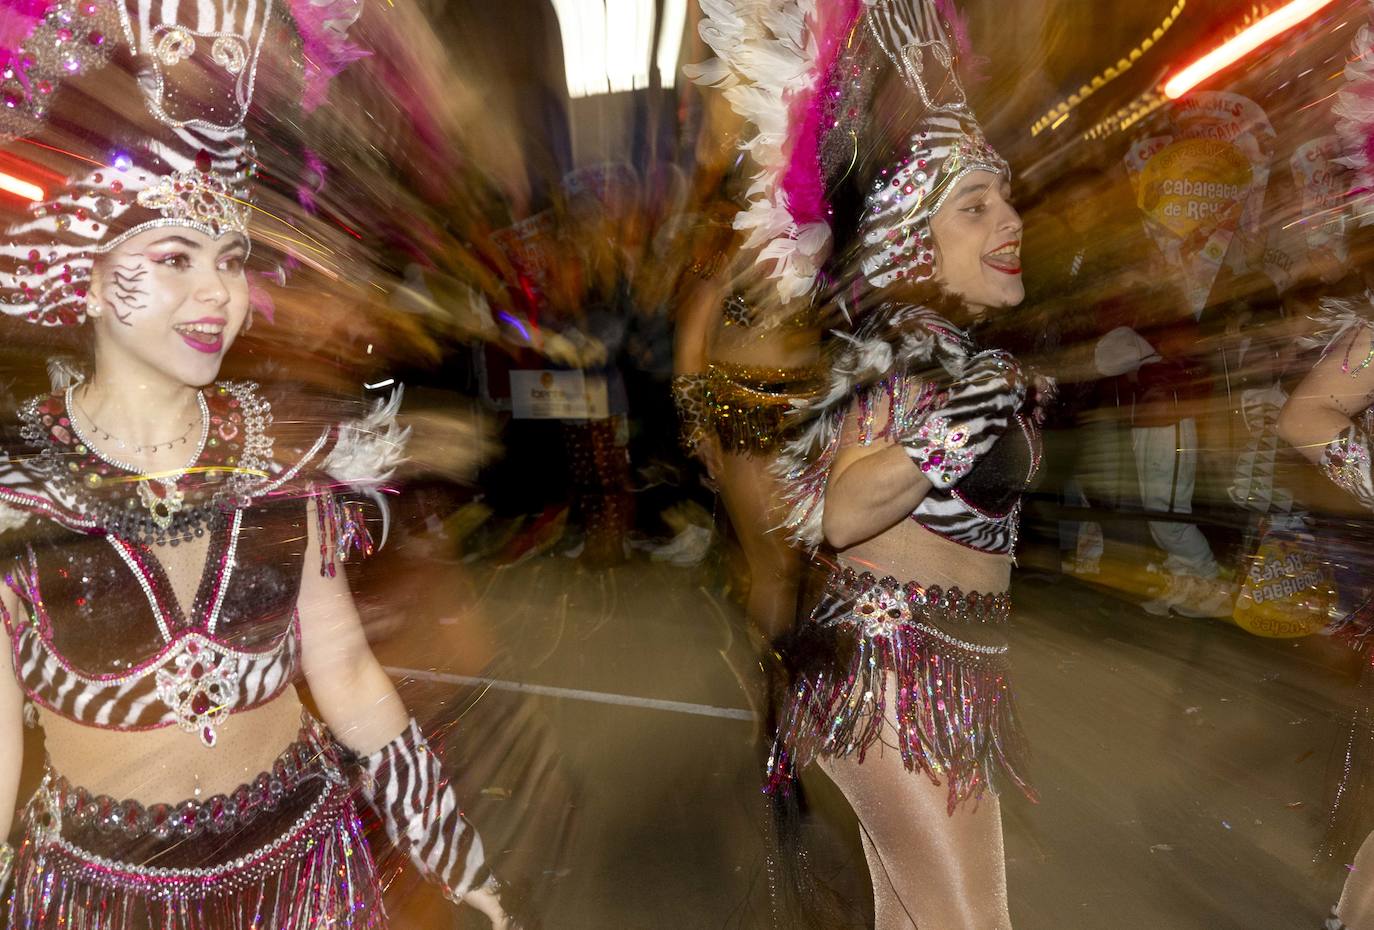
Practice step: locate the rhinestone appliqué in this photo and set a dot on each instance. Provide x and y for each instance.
(201, 687)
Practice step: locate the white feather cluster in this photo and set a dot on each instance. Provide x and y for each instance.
(368, 450)
(910, 337)
(766, 52)
(1335, 319)
(1354, 111)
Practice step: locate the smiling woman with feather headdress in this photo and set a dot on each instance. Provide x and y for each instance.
(878, 197)
(171, 567)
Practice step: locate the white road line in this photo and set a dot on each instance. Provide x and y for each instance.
(574, 694)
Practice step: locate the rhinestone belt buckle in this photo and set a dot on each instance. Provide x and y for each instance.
(880, 610)
(201, 689)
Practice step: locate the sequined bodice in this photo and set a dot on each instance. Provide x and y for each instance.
(106, 643)
(102, 637)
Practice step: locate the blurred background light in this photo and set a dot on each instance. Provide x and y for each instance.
(608, 45)
(21, 188)
(1237, 47)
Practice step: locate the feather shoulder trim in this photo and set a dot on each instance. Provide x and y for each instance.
(909, 339)
(1337, 317)
(368, 450)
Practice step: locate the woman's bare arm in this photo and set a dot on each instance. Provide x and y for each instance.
(354, 694)
(1326, 402)
(871, 488)
(697, 318)
(11, 725)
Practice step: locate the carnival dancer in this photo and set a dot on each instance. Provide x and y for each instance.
(171, 573)
(742, 362)
(1329, 419)
(911, 465)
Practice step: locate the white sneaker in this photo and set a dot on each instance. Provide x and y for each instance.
(1207, 597)
(686, 548)
(1175, 589)
(694, 549)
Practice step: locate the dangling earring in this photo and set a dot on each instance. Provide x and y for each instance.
(248, 323)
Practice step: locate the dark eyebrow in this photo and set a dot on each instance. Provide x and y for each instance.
(178, 240)
(976, 189)
(234, 242)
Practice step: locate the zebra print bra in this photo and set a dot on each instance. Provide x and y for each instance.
(983, 511)
(102, 639)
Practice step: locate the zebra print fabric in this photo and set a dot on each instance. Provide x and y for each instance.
(134, 701)
(407, 786)
(955, 514)
(195, 139)
(970, 417)
(912, 36)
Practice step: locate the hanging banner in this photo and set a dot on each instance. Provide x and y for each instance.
(1288, 590)
(1202, 185)
(1322, 197)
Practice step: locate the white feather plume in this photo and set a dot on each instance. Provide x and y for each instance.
(765, 53)
(369, 449)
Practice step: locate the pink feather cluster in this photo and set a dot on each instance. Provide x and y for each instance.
(17, 21)
(803, 185)
(959, 35)
(325, 44)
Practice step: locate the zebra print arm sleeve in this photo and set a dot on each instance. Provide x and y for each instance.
(966, 422)
(407, 787)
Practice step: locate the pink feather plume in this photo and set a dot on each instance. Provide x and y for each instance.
(17, 20)
(803, 185)
(325, 44)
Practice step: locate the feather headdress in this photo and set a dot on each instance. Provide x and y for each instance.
(799, 71)
(1354, 112)
(772, 63)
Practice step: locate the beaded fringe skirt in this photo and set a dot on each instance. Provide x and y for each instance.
(955, 719)
(289, 855)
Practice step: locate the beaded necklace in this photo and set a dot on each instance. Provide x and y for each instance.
(231, 457)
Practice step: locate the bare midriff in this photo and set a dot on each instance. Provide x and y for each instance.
(910, 552)
(167, 765)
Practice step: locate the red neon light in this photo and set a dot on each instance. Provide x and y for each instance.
(1234, 49)
(20, 188)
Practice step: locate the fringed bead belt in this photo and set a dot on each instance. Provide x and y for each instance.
(884, 602)
(309, 757)
(944, 654)
(292, 856)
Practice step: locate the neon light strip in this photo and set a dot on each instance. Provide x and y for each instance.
(20, 188)
(1236, 48)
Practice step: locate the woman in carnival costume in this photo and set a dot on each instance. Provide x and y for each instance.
(880, 192)
(1329, 418)
(743, 356)
(169, 570)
